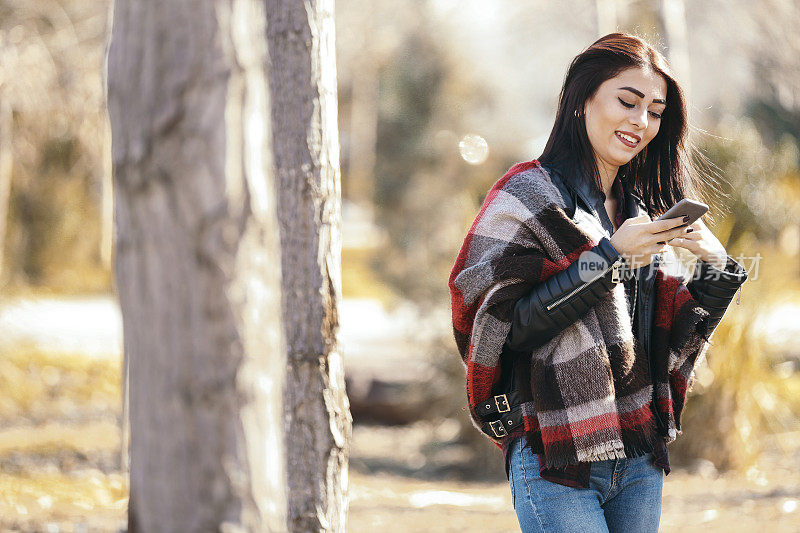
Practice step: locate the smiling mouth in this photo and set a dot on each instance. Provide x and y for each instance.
(627, 140)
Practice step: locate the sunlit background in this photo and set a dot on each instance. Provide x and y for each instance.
(437, 99)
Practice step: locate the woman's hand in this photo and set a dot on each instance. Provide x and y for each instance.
(702, 243)
(637, 238)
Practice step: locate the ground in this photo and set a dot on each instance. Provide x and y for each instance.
(60, 454)
(65, 476)
(391, 490)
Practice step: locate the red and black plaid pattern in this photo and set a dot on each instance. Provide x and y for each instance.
(590, 391)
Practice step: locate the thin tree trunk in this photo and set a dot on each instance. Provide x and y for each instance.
(107, 205)
(673, 21)
(6, 167)
(364, 131)
(198, 265)
(606, 16)
(318, 422)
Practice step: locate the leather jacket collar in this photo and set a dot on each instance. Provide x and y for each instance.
(594, 199)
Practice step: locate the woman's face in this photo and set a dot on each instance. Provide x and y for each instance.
(623, 116)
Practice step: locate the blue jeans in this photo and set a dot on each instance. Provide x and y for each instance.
(623, 495)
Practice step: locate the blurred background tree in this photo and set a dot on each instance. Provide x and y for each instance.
(58, 232)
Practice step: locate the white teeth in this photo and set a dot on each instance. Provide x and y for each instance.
(627, 137)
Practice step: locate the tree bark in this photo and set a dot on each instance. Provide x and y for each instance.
(198, 265)
(6, 167)
(107, 203)
(300, 36)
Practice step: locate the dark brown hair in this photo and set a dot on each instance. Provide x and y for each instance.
(662, 172)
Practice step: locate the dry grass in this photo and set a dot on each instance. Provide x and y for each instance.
(40, 386)
(739, 399)
(360, 279)
(60, 442)
(29, 501)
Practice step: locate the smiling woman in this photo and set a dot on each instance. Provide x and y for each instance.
(617, 96)
(580, 346)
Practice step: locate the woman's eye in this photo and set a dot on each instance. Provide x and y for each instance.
(630, 106)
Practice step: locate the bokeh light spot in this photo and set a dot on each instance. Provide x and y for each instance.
(473, 149)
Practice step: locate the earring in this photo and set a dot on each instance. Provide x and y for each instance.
(576, 114)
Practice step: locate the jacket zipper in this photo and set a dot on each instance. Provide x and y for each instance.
(550, 306)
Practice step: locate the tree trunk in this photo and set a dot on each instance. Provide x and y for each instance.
(672, 15)
(606, 16)
(107, 203)
(6, 167)
(198, 265)
(364, 131)
(302, 82)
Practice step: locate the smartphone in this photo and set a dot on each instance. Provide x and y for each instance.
(686, 207)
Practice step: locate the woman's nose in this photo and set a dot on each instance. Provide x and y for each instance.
(639, 118)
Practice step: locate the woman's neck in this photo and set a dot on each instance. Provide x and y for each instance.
(608, 173)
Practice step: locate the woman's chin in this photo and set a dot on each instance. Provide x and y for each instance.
(619, 161)
(625, 158)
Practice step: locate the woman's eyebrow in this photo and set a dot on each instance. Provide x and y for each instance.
(640, 94)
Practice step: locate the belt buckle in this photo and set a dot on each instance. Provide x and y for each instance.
(616, 272)
(494, 428)
(502, 399)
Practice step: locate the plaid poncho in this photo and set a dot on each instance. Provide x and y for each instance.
(590, 385)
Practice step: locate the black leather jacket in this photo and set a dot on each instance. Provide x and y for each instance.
(564, 297)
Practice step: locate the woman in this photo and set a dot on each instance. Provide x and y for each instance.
(602, 360)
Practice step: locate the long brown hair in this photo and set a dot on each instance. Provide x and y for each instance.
(662, 172)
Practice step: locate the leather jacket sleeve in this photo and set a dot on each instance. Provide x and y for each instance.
(533, 325)
(714, 289)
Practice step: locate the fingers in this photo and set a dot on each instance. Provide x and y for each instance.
(663, 225)
(696, 227)
(667, 235)
(692, 235)
(641, 259)
(688, 242)
(641, 219)
(652, 250)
